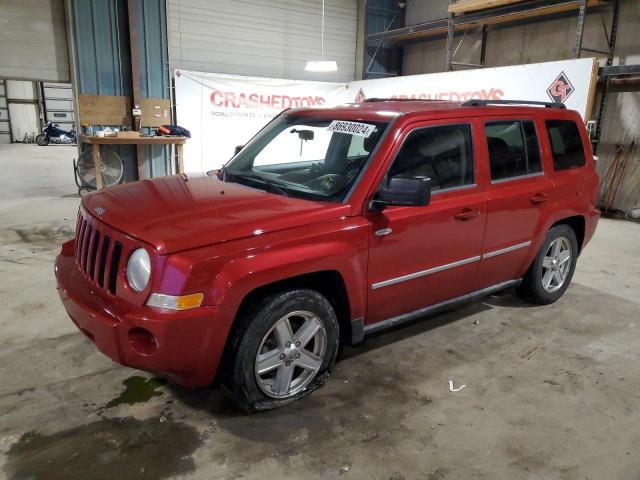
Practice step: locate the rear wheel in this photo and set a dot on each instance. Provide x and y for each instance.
(283, 349)
(552, 270)
(43, 140)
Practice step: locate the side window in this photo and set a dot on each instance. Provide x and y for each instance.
(566, 144)
(444, 154)
(513, 149)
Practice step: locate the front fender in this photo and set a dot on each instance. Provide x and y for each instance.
(242, 275)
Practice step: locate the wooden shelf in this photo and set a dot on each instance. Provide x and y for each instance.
(464, 6)
(506, 13)
(95, 140)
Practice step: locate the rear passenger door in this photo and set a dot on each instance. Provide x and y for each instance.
(519, 197)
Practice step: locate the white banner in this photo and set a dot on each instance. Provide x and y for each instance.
(223, 111)
(566, 81)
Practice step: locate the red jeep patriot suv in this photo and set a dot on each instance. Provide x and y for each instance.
(330, 224)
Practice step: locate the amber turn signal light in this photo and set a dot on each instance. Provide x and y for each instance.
(172, 302)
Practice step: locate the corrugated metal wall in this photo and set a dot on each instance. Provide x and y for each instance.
(268, 39)
(420, 11)
(101, 38)
(381, 59)
(549, 40)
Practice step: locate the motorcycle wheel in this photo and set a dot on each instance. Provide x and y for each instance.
(43, 140)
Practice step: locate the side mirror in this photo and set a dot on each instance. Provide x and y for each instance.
(237, 150)
(403, 191)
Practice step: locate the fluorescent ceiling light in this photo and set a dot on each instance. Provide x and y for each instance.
(321, 66)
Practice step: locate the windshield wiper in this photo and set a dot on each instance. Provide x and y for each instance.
(275, 186)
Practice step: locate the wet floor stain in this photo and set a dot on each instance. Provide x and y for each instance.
(106, 449)
(54, 232)
(137, 390)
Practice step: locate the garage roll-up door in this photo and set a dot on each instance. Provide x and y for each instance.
(266, 39)
(33, 40)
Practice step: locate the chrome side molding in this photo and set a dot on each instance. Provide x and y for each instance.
(495, 253)
(440, 268)
(405, 317)
(422, 273)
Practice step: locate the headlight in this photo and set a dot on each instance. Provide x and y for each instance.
(139, 270)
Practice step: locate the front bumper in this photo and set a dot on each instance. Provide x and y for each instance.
(185, 346)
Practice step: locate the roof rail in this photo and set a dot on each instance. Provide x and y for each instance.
(374, 99)
(481, 103)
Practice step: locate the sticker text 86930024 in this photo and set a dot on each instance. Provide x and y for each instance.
(352, 128)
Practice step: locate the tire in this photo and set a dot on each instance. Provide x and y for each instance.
(260, 359)
(548, 276)
(43, 140)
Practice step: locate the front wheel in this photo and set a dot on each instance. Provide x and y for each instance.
(283, 349)
(552, 269)
(43, 140)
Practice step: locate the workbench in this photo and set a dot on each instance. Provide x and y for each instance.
(96, 141)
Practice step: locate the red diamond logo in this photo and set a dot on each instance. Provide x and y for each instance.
(560, 89)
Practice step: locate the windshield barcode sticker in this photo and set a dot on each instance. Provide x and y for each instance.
(352, 128)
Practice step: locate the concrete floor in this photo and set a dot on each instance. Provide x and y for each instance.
(551, 392)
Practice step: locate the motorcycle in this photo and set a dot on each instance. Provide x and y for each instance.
(53, 133)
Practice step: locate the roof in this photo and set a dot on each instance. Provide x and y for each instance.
(375, 108)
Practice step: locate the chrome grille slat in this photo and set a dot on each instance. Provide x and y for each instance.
(93, 256)
(80, 241)
(103, 271)
(85, 247)
(98, 254)
(115, 267)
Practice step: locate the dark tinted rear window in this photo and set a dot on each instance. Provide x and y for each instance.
(566, 144)
(513, 149)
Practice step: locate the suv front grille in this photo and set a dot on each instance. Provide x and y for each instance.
(98, 253)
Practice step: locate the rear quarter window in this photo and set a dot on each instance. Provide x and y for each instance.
(566, 144)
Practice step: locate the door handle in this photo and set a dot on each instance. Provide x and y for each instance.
(467, 214)
(539, 198)
(383, 231)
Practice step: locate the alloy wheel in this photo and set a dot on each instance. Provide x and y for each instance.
(556, 264)
(290, 354)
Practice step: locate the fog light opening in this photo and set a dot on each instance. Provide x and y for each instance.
(142, 341)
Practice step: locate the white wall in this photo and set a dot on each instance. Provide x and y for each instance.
(262, 38)
(33, 40)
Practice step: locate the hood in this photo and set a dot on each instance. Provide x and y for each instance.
(178, 212)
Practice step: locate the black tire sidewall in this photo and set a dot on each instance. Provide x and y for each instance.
(534, 290)
(242, 382)
(43, 140)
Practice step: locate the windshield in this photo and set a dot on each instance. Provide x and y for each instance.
(306, 157)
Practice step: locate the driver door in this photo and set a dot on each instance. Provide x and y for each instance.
(423, 255)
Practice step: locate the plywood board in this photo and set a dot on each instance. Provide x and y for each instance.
(155, 111)
(105, 110)
(474, 5)
(116, 111)
(592, 90)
